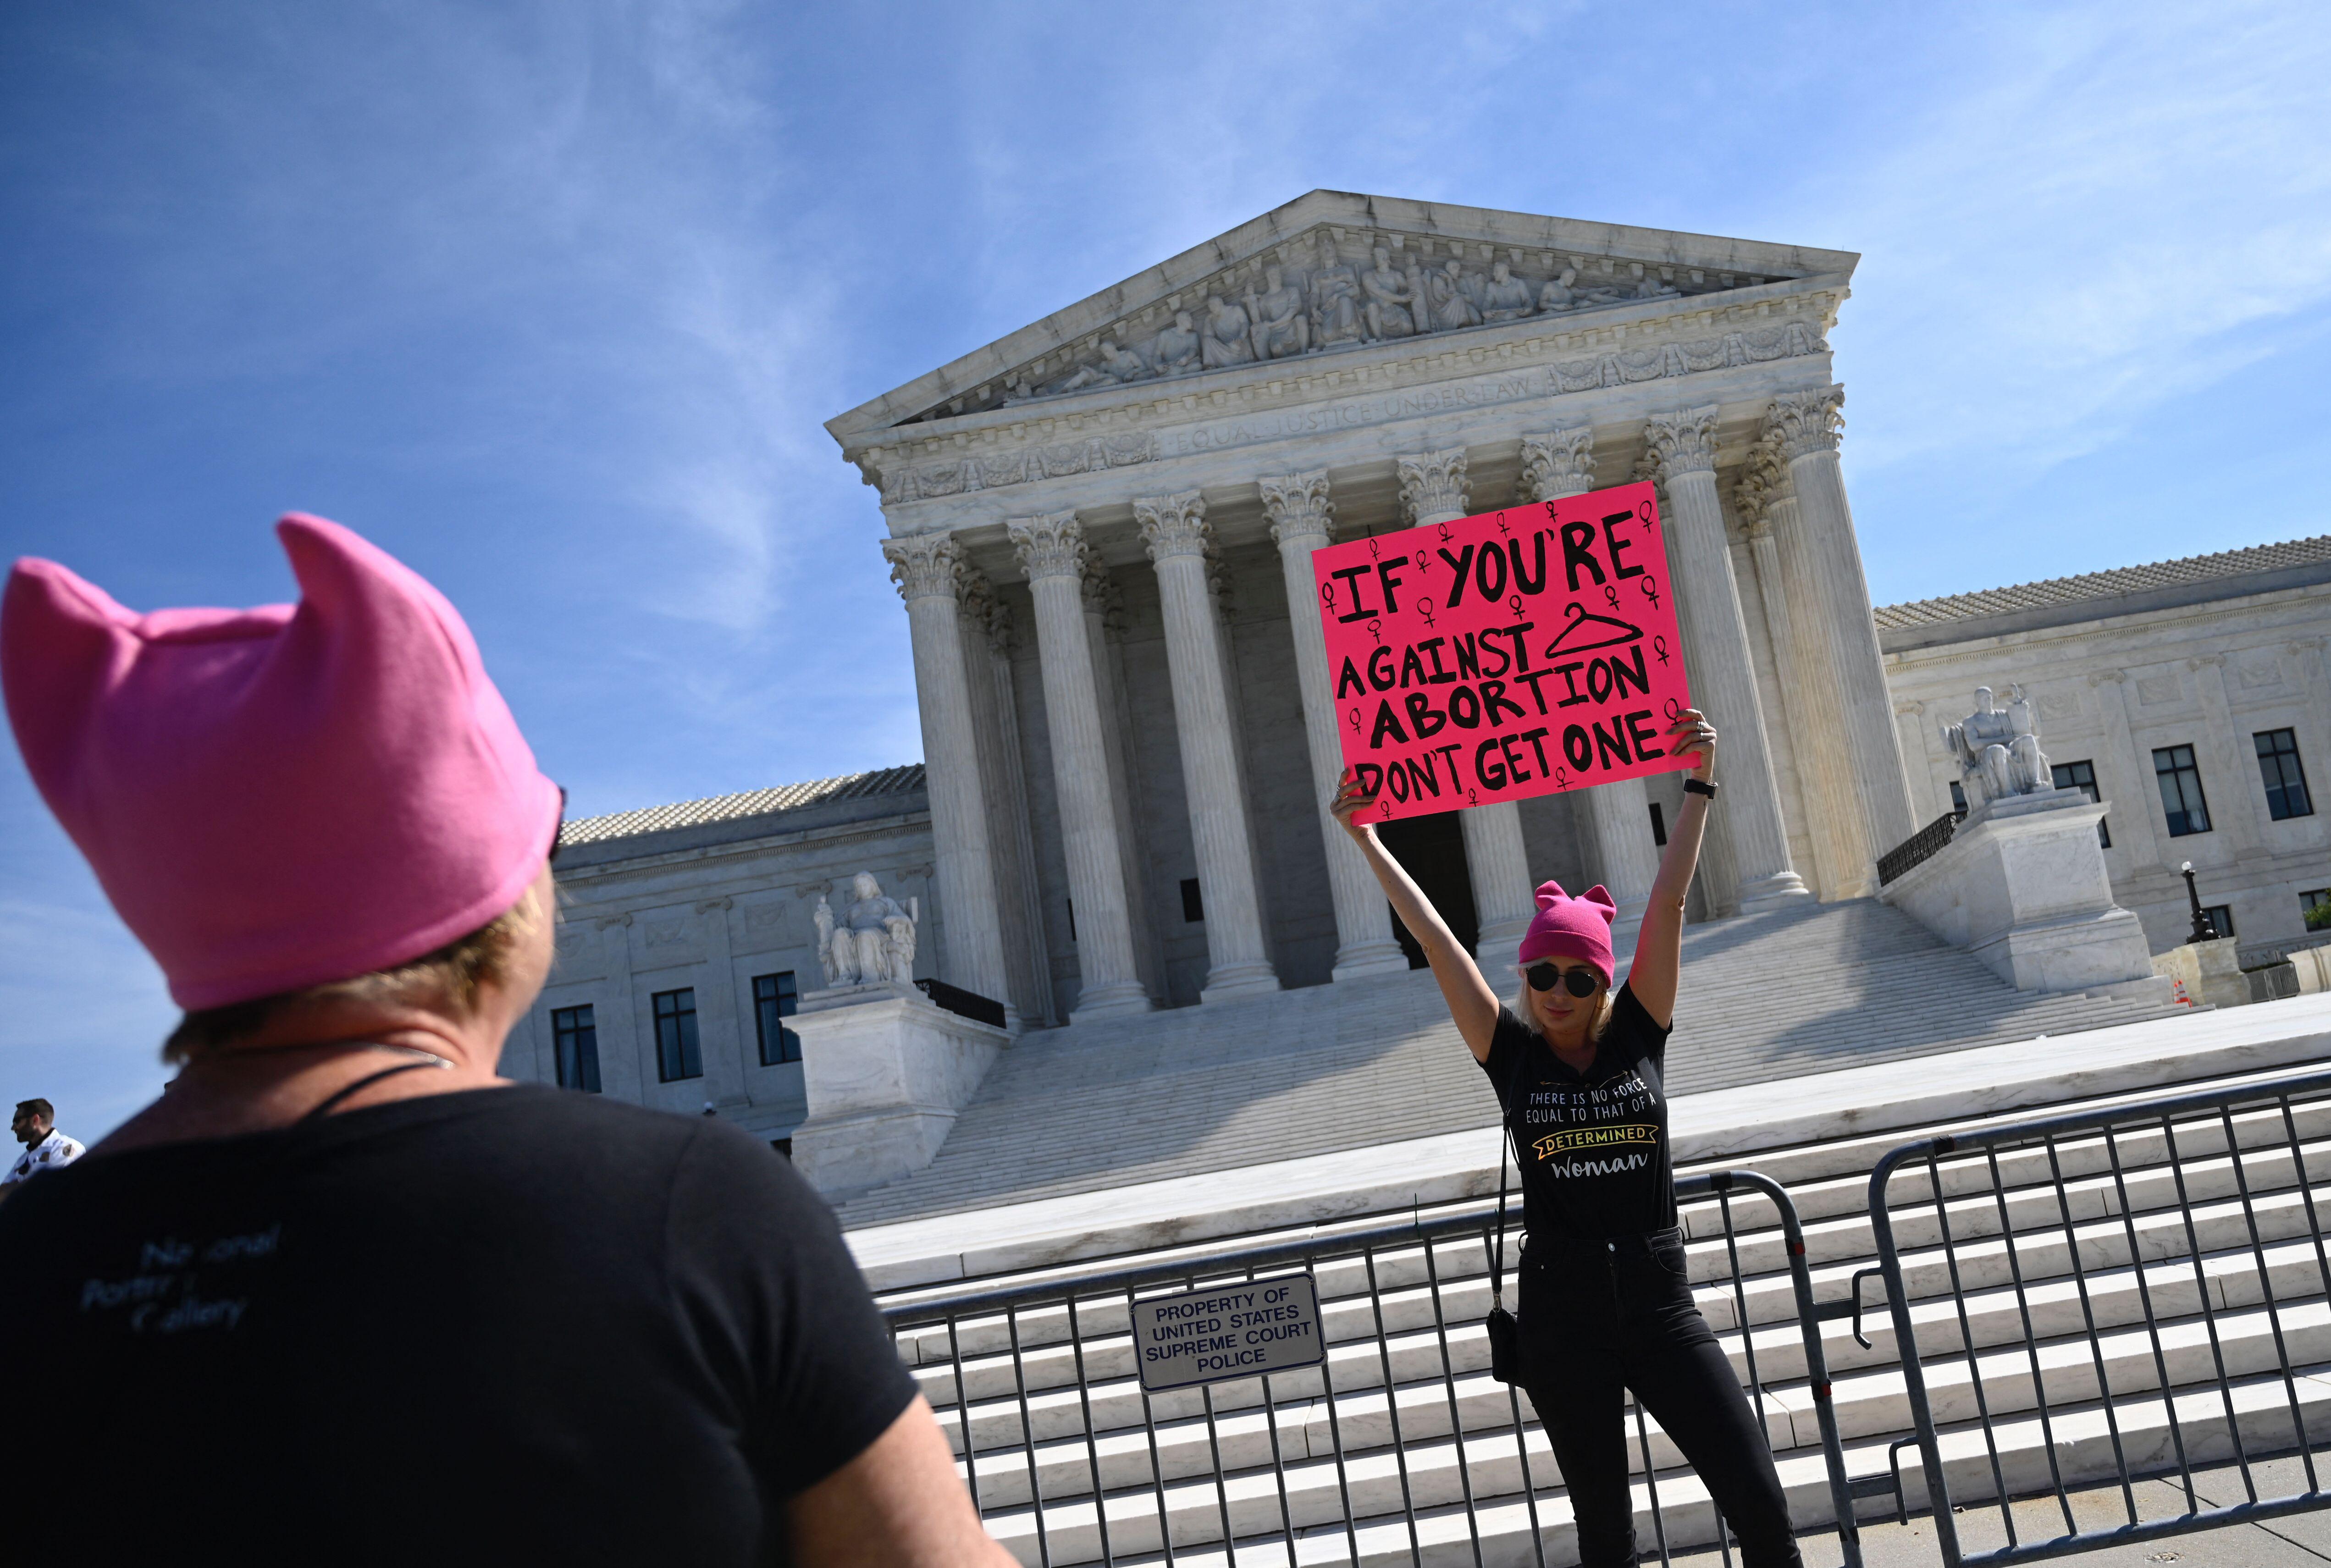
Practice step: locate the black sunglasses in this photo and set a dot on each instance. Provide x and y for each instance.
(1577, 982)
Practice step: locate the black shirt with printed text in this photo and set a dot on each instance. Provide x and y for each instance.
(1593, 1147)
(516, 1324)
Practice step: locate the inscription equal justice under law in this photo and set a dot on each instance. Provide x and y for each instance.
(1516, 653)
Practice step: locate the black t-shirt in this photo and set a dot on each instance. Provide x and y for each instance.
(512, 1325)
(1594, 1149)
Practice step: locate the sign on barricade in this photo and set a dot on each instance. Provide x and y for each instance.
(1520, 652)
(1228, 1331)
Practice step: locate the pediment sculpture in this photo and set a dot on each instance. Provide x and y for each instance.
(871, 941)
(1998, 749)
(1335, 304)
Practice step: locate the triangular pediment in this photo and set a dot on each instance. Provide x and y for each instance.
(1444, 270)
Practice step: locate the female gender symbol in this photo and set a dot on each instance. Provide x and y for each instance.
(1424, 608)
(1375, 629)
(1328, 594)
(1472, 799)
(1674, 709)
(1515, 604)
(1422, 564)
(1502, 522)
(1372, 551)
(1353, 717)
(1659, 647)
(1387, 811)
(1562, 778)
(1611, 595)
(1646, 511)
(1652, 592)
(1444, 533)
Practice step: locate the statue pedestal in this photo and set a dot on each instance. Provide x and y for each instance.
(2022, 886)
(885, 1070)
(2210, 972)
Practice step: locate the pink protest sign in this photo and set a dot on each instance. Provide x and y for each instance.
(1511, 654)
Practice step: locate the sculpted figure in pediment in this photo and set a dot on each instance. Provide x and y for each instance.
(1225, 340)
(1335, 299)
(1650, 288)
(1281, 326)
(1174, 351)
(1505, 298)
(1557, 294)
(1389, 302)
(1117, 366)
(1446, 305)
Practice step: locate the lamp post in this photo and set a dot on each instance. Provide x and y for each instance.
(2202, 930)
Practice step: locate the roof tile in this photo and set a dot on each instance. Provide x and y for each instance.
(903, 780)
(2104, 585)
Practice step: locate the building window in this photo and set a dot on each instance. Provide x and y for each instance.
(575, 1040)
(1958, 797)
(1659, 826)
(775, 1000)
(1193, 908)
(678, 1055)
(2284, 780)
(2315, 908)
(2082, 776)
(2181, 791)
(2221, 918)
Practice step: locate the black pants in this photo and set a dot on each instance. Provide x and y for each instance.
(1599, 1317)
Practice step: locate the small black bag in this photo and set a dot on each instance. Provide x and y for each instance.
(1505, 1330)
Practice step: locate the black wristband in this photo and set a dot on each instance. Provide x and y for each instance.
(1694, 786)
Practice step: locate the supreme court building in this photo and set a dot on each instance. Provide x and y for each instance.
(1101, 528)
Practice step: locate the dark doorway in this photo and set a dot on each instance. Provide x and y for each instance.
(1432, 850)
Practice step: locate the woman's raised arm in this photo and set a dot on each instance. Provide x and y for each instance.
(1659, 946)
(1471, 1004)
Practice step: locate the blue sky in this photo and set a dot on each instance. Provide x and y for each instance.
(552, 300)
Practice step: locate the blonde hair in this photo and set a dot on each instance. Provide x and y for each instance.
(447, 980)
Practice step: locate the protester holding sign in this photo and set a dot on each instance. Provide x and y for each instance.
(344, 1294)
(1605, 1306)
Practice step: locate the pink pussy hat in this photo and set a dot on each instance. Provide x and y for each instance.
(278, 797)
(1568, 927)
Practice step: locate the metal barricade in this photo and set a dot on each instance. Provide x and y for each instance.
(1399, 1447)
(2119, 1319)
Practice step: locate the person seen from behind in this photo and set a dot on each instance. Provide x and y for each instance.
(45, 1149)
(1605, 1304)
(343, 1293)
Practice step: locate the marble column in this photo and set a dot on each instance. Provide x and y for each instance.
(929, 571)
(1434, 489)
(1300, 510)
(1844, 864)
(1557, 464)
(720, 1028)
(1052, 550)
(2242, 818)
(1805, 427)
(2125, 778)
(1237, 957)
(1104, 625)
(1716, 648)
(989, 636)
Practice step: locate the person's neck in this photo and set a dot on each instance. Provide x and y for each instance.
(301, 1056)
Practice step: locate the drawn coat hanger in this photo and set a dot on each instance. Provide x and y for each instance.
(1581, 621)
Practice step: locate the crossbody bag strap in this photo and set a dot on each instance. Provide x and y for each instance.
(1505, 1144)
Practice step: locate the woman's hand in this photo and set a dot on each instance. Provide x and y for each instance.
(1692, 732)
(1350, 801)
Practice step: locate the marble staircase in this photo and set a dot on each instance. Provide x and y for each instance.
(1420, 1444)
(1809, 989)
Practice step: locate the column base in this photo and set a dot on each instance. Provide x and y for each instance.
(1369, 958)
(1233, 981)
(1777, 891)
(1125, 999)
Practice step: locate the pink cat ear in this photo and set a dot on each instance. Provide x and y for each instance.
(1549, 894)
(1601, 898)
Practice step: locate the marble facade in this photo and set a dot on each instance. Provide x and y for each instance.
(1124, 497)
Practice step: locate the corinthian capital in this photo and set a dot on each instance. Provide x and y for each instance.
(1561, 462)
(1433, 484)
(925, 566)
(1802, 422)
(1051, 545)
(1173, 524)
(1763, 482)
(1681, 442)
(1103, 597)
(1298, 507)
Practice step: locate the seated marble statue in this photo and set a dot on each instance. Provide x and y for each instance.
(1446, 304)
(1505, 298)
(1224, 342)
(1557, 294)
(1389, 303)
(1174, 351)
(1335, 299)
(872, 942)
(1650, 288)
(1281, 326)
(1998, 749)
